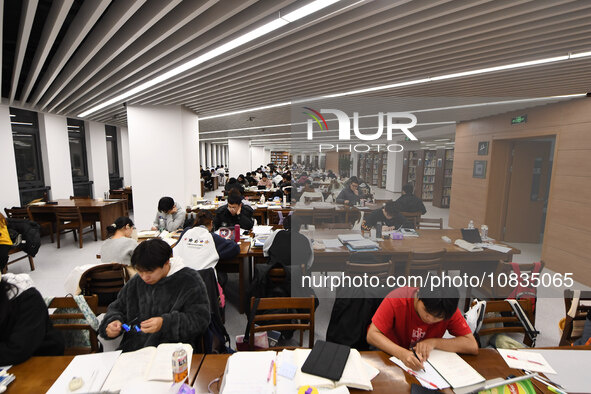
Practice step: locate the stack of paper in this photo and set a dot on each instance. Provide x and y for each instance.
(258, 230)
(93, 369)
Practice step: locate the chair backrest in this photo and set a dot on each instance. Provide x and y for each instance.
(69, 303)
(423, 262)
(288, 313)
(105, 281)
(380, 270)
(68, 214)
(380, 202)
(323, 215)
(17, 213)
(413, 217)
(573, 324)
(428, 223)
(503, 320)
(79, 197)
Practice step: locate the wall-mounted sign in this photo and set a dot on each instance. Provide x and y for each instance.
(479, 169)
(483, 148)
(519, 119)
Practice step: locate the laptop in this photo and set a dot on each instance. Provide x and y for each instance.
(471, 235)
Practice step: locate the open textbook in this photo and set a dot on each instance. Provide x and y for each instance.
(249, 372)
(149, 363)
(444, 369)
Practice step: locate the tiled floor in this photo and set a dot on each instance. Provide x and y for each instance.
(53, 265)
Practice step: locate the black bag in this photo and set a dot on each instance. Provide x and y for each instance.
(216, 339)
(31, 232)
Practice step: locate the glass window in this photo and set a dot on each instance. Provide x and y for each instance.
(115, 181)
(27, 152)
(78, 158)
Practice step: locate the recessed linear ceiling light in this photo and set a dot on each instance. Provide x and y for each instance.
(425, 80)
(238, 41)
(443, 139)
(22, 123)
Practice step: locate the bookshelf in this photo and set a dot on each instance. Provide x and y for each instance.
(442, 186)
(372, 168)
(280, 158)
(412, 166)
(429, 168)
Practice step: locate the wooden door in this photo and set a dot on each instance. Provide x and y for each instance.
(528, 191)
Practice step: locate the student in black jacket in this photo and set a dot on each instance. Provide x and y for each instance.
(408, 202)
(350, 194)
(25, 328)
(388, 215)
(234, 213)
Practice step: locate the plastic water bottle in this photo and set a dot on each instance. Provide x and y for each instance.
(160, 223)
(471, 224)
(180, 366)
(237, 233)
(262, 200)
(379, 229)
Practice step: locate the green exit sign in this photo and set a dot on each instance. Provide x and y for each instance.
(519, 119)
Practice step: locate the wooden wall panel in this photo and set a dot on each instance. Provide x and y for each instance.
(567, 240)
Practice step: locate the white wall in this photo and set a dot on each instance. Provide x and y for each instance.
(98, 166)
(9, 192)
(257, 157)
(164, 157)
(355, 160)
(238, 156)
(394, 172)
(124, 164)
(55, 149)
(267, 156)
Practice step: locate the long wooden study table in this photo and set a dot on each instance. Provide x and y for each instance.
(103, 211)
(334, 259)
(38, 373)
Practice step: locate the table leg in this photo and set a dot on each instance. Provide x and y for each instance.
(244, 267)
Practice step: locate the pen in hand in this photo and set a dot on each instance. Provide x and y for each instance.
(415, 353)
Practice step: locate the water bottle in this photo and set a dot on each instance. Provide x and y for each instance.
(160, 223)
(284, 201)
(484, 232)
(180, 366)
(237, 233)
(262, 200)
(471, 224)
(379, 230)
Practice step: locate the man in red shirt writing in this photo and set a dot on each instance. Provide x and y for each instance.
(411, 318)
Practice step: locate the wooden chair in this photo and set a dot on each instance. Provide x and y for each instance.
(69, 303)
(293, 308)
(79, 197)
(413, 217)
(423, 262)
(104, 281)
(274, 215)
(573, 325)
(43, 221)
(427, 223)
(18, 249)
(70, 219)
(259, 215)
(380, 270)
(380, 202)
(510, 324)
(323, 215)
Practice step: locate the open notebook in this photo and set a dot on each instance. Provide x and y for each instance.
(444, 369)
(247, 372)
(149, 363)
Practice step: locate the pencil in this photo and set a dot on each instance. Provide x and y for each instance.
(274, 374)
(415, 353)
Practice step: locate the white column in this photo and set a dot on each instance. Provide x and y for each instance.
(238, 156)
(354, 159)
(267, 156)
(216, 156)
(164, 155)
(394, 172)
(257, 158)
(208, 161)
(124, 164)
(98, 165)
(9, 193)
(202, 154)
(55, 149)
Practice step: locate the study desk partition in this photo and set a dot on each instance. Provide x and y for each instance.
(38, 374)
(391, 378)
(103, 211)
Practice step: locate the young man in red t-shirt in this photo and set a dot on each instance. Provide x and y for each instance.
(411, 318)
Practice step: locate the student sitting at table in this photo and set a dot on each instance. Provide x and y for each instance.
(287, 245)
(234, 184)
(242, 181)
(25, 328)
(120, 246)
(388, 215)
(165, 300)
(284, 191)
(172, 214)
(265, 181)
(411, 318)
(350, 194)
(234, 212)
(200, 248)
(408, 202)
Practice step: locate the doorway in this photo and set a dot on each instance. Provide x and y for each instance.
(527, 186)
